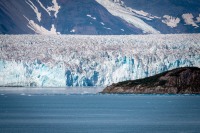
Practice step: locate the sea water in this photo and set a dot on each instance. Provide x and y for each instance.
(98, 113)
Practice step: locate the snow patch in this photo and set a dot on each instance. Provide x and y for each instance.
(35, 9)
(198, 19)
(40, 29)
(126, 14)
(118, 1)
(107, 28)
(188, 18)
(137, 13)
(55, 8)
(102, 23)
(73, 31)
(44, 7)
(171, 21)
(53, 30)
(142, 14)
(90, 16)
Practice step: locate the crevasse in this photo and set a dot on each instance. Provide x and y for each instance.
(59, 61)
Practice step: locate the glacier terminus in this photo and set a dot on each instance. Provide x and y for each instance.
(84, 60)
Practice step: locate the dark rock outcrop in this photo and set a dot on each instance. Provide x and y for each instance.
(178, 81)
(88, 17)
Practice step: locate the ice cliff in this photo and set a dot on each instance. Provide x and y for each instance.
(59, 61)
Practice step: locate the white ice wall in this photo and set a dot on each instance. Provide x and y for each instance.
(58, 61)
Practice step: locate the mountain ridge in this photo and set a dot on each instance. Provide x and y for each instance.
(99, 17)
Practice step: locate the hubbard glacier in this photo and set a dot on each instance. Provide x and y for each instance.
(68, 60)
(99, 66)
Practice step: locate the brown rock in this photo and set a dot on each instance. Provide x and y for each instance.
(184, 80)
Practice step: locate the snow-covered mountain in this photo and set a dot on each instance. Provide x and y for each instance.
(59, 61)
(99, 16)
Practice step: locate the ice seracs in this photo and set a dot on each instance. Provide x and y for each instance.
(60, 61)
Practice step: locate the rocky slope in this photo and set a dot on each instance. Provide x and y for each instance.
(184, 80)
(99, 17)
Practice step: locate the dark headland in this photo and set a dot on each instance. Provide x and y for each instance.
(184, 80)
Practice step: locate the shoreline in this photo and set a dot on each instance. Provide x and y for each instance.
(75, 91)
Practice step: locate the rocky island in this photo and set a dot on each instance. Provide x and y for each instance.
(184, 80)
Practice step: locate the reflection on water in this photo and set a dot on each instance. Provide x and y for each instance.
(69, 90)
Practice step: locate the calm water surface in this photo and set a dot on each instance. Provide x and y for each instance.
(99, 113)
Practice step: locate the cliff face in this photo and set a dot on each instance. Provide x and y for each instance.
(178, 81)
(60, 61)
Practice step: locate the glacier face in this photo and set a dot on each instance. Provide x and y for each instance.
(59, 61)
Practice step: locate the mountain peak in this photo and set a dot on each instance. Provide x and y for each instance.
(112, 17)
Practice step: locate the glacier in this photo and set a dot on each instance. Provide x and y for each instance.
(83, 60)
